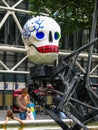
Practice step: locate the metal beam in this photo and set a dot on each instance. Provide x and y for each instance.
(61, 53)
(81, 55)
(10, 10)
(12, 49)
(16, 10)
(11, 71)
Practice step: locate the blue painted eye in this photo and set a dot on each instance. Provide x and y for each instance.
(56, 35)
(40, 35)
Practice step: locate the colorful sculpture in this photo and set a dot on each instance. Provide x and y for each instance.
(41, 36)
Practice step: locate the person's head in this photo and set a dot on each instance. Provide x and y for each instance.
(10, 114)
(24, 91)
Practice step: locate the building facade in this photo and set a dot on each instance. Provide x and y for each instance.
(14, 64)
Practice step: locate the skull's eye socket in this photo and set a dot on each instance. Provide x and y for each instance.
(40, 35)
(56, 35)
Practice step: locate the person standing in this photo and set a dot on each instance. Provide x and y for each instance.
(23, 101)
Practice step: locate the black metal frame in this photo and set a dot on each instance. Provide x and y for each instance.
(73, 102)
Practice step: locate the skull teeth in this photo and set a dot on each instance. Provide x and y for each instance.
(48, 49)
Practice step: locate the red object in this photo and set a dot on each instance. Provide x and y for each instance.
(36, 91)
(16, 93)
(50, 87)
(48, 49)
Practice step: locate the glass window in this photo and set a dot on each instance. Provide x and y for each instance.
(20, 78)
(9, 77)
(1, 77)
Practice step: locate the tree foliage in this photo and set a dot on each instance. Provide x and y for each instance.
(70, 14)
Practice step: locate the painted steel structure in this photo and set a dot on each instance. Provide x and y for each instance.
(10, 10)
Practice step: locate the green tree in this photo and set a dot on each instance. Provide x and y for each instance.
(70, 14)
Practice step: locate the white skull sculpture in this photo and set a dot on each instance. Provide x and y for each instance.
(41, 36)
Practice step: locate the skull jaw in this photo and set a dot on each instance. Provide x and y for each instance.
(40, 58)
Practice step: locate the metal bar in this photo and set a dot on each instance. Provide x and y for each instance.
(92, 37)
(80, 67)
(17, 72)
(92, 76)
(81, 48)
(12, 49)
(84, 104)
(4, 65)
(16, 49)
(5, 3)
(94, 69)
(19, 63)
(81, 55)
(4, 19)
(51, 113)
(16, 10)
(17, 22)
(17, 3)
(76, 121)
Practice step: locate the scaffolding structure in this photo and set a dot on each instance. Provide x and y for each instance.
(11, 10)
